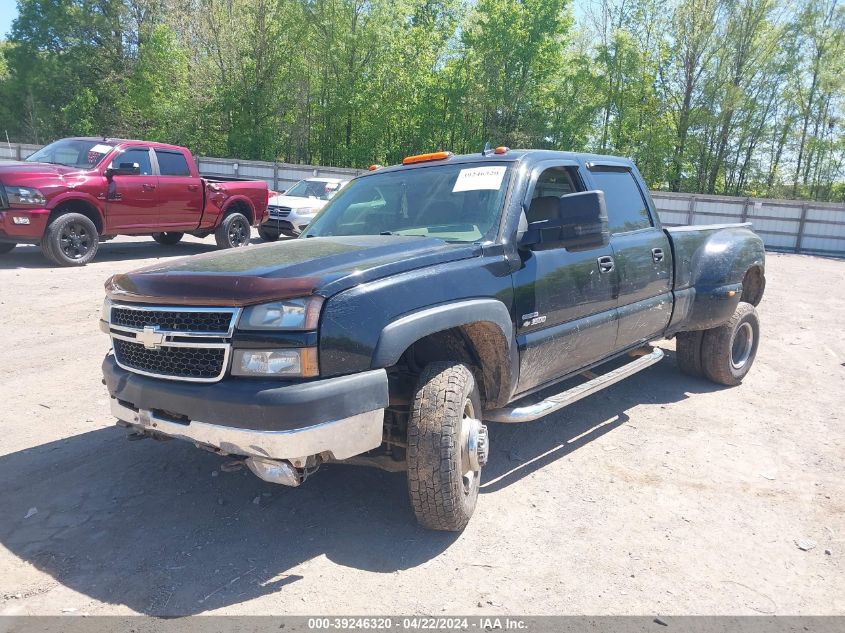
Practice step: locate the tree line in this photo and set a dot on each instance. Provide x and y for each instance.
(740, 97)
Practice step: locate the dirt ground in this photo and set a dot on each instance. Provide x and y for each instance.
(661, 495)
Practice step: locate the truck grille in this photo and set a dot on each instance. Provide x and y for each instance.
(217, 322)
(177, 343)
(278, 212)
(172, 362)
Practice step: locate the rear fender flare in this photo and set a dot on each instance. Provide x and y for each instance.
(719, 266)
(236, 201)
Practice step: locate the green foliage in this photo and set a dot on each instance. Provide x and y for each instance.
(742, 97)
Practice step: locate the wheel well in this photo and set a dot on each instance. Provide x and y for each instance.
(753, 285)
(481, 346)
(240, 206)
(82, 207)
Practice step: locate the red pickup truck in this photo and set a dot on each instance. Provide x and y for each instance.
(76, 192)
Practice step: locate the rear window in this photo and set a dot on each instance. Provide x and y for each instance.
(626, 208)
(172, 163)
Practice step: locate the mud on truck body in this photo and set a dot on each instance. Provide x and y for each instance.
(424, 299)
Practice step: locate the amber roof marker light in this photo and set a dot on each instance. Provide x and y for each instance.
(373, 167)
(501, 150)
(423, 158)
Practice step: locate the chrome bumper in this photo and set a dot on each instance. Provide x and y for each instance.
(335, 439)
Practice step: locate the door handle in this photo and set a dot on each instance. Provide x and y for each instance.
(657, 255)
(148, 187)
(605, 264)
(193, 187)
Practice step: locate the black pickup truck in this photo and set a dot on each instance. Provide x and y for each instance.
(424, 299)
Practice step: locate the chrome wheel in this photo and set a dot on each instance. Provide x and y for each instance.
(474, 448)
(743, 343)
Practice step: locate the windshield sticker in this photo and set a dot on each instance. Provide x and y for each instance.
(100, 149)
(480, 178)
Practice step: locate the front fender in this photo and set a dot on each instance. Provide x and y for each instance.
(485, 322)
(399, 335)
(77, 196)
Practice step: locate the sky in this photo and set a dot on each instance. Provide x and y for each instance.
(8, 12)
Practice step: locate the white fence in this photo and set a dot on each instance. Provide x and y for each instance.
(278, 176)
(796, 226)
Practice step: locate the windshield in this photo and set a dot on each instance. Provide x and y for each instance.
(85, 154)
(319, 189)
(456, 203)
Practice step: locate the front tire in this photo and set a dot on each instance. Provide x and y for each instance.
(169, 238)
(6, 247)
(268, 235)
(233, 232)
(70, 240)
(728, 351)
(447, 447)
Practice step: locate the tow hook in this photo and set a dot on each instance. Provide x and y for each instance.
(275, 471)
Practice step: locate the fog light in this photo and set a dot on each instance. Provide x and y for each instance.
(275, 362)
(16, 219)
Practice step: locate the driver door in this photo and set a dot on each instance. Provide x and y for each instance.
(132, 201)
(565, 300)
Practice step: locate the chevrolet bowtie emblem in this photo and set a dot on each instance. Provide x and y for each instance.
(150, 337)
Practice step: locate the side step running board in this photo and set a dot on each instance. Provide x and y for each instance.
(565, 398)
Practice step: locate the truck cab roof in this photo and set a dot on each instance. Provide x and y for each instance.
(126, 141)
(524, 156)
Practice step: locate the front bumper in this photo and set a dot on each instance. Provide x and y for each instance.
(284, 226)
(336, 417)
(24, 233)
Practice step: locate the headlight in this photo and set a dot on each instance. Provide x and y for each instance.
(25, 195)
(282, 363)
(290, 314)
(105, 312)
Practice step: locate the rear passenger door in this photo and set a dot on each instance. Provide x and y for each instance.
(565, 300)
(641, 254)
(180, 193)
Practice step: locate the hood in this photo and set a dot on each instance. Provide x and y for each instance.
(261, 273)
(21, 170)
(295, 202)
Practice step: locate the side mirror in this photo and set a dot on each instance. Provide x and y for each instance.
(581, 224)
(124, 169)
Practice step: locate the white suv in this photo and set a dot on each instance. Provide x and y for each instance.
(292, 210)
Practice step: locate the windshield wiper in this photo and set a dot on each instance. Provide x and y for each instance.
(402, 234)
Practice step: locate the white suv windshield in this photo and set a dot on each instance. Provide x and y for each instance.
(459, 202)
(319, 189)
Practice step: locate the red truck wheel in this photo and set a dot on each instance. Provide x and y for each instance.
(70, 240)
(168, 239)
(233, 232)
